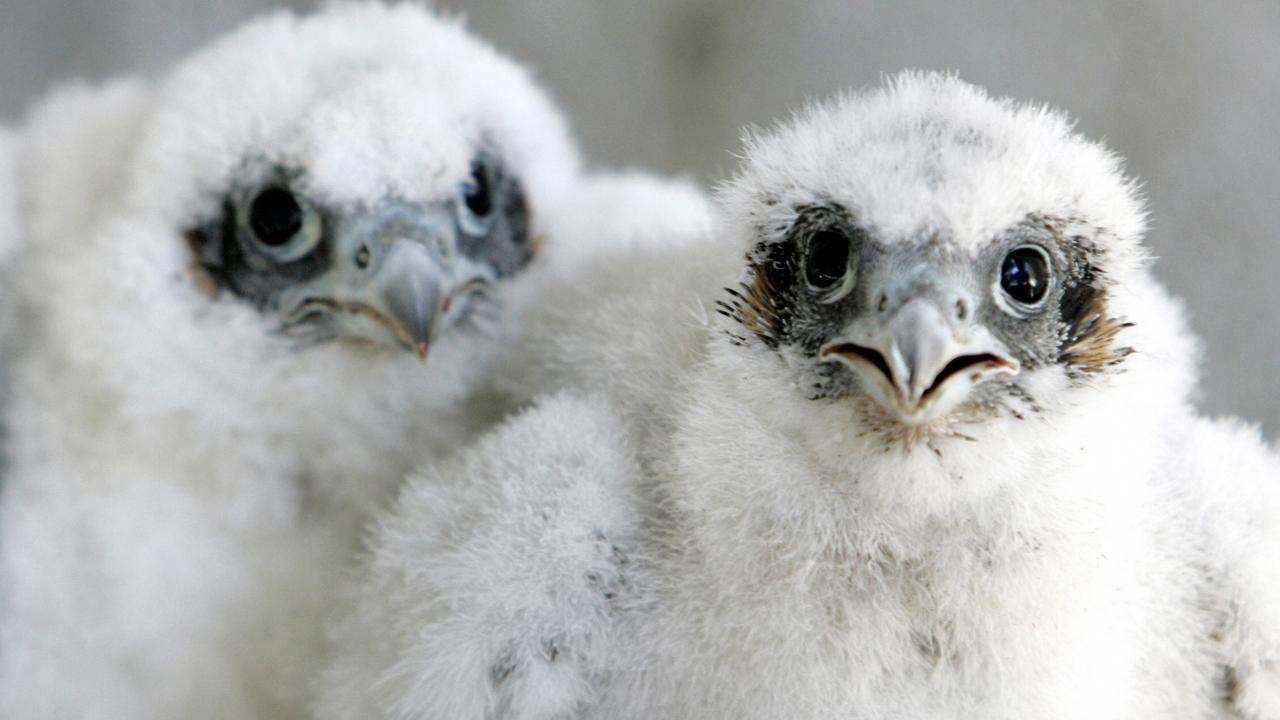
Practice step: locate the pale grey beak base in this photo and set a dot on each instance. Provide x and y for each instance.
(918, 364)
(920, 340)
(412, 288)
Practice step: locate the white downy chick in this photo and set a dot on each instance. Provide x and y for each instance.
(231, 282)
(936, 460)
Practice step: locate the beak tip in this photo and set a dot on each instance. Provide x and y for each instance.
(423, 348)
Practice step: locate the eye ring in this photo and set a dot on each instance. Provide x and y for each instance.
(1024, 278)
(828, 264)
(476, 208)
(476, 191)
(280, 224)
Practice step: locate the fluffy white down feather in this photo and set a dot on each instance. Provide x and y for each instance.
(529, 617)
(184, 484)
(1109, 556)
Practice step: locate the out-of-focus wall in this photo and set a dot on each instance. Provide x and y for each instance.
(1188, 91)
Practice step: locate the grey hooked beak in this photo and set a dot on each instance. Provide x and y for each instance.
(921, 363)
(412, 292)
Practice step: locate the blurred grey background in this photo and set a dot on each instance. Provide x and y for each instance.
(1188, 91)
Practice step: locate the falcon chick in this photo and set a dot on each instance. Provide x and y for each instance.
(232, 281)
(935, 458)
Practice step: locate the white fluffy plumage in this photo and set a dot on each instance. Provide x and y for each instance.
(521, 560)
(728, 540)
(184, 481)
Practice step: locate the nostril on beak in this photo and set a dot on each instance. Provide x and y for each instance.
(962, 309)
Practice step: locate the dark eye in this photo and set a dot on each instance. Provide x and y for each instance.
(827, 259)
(275, 216)
(477, 191)
(1024, 275)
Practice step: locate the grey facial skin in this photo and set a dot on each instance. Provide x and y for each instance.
(397, 273)
(921, 327)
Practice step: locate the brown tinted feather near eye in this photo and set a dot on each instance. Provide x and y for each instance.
(757, 304)
(536, 244)
(1089, 344)
(762, 314)
(761, 304)
(200, 276)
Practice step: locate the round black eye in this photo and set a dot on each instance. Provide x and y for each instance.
(1024, 275)
(827, 259)
(275, 216)
(477, 191)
